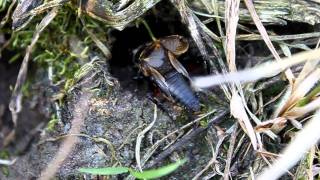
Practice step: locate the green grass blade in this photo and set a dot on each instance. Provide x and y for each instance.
(105, 171)
(156, 173)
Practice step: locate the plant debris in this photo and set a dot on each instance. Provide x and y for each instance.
(79, 100)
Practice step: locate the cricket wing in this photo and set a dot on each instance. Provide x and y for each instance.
(178, 66)
(175, 44)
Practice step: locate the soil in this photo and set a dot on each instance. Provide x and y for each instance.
(117, 117)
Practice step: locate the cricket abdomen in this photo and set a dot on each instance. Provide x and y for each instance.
(181, 91)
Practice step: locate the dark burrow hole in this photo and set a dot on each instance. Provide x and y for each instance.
(163, 20)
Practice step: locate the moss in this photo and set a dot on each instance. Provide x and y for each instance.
(204, 122)
(4, 154)
(52, 124)
(4, 4)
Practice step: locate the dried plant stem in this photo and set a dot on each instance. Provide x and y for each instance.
(265, 36)
(7, 162)
(304, 140)
(232, 17)
(255, 37)
(186, 138)
(213, 159)
(257, 72)
(141, 135)
(156, 145)
(15, 105)
(230, 152)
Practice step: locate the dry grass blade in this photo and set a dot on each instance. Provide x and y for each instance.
(15, 105)
(230, 152)
(7, 162)
(257, 72)
(213, 159)
(255, 37)
(266, 125)
(140, 136)
(311, 158)
(232, 17)
(237, 102)
(202, 36)
(7, 16)
(265, 36)
(300, 91)
(304, 140)
(298, 112)
(307, 68)
(239, 112)
(105, 50)
(152, 149)
(188, 18)
(182, 142)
